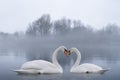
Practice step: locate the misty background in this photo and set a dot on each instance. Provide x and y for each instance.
(16, 15)
(43, 36)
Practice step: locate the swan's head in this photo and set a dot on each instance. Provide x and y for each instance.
(67, 52)
(64, 49)
(73, 49)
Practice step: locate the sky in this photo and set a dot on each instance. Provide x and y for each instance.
(16, 15)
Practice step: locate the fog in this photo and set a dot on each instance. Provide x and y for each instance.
(103, 43)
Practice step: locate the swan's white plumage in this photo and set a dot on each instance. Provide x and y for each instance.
(39, 66)
(86, 67)
(42, 66)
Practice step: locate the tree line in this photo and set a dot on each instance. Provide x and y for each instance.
(44, 26)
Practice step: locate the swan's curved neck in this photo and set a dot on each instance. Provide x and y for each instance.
(78, 58)
(54, 58)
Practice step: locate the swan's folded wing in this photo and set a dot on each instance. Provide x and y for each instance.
(38, 64)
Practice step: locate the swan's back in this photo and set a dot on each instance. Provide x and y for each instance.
(38, 64)
(86, 67)
(90, 66)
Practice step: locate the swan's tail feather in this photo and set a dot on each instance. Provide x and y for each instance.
(27, 71)
(103, 71)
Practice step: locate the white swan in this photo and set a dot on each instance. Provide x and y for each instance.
(42, 66)
(86, 67)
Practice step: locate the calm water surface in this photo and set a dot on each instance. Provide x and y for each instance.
(107, 57)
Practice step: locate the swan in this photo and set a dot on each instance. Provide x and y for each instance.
(42, 66)
(86, 67)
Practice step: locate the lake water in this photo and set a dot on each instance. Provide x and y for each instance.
(104, 56)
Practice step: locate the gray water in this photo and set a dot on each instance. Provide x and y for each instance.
(106, 56)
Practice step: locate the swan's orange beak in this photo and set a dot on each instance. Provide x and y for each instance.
(67, 52)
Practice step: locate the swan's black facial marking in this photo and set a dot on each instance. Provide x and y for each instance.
(67, 52)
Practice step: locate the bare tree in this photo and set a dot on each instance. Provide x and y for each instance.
(41, 26)
(112, 29)
(31, 30)
(62, 26)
